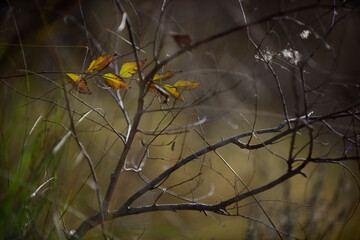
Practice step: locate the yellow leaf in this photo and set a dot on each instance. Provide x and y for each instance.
(161, 91)
(73, 78)
(187, 84)
(173, 90)
(164, 76)
(115, 81)
(128, 69)
(100, 63)
(78, 83)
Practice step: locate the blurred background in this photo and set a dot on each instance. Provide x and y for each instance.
(46, 186)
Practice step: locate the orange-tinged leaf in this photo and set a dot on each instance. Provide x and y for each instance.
(78, 83)
(164, 76)
(115, 81)
(186, 84)
(100, 63)
(173, 90)
(128, 69)
(152, 87)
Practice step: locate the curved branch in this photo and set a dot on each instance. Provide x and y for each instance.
(217, 208)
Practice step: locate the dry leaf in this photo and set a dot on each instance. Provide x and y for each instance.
(128, 69)
(151, 86)
(181, 39)
(115, 81)
(100, 63)
(78, 83)
(187, 84)
(173, 90)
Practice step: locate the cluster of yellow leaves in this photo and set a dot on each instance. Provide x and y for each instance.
(127, 70)
(172, 89)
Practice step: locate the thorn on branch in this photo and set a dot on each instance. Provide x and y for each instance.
(303, 174)
(222, 211)
(306, 123)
